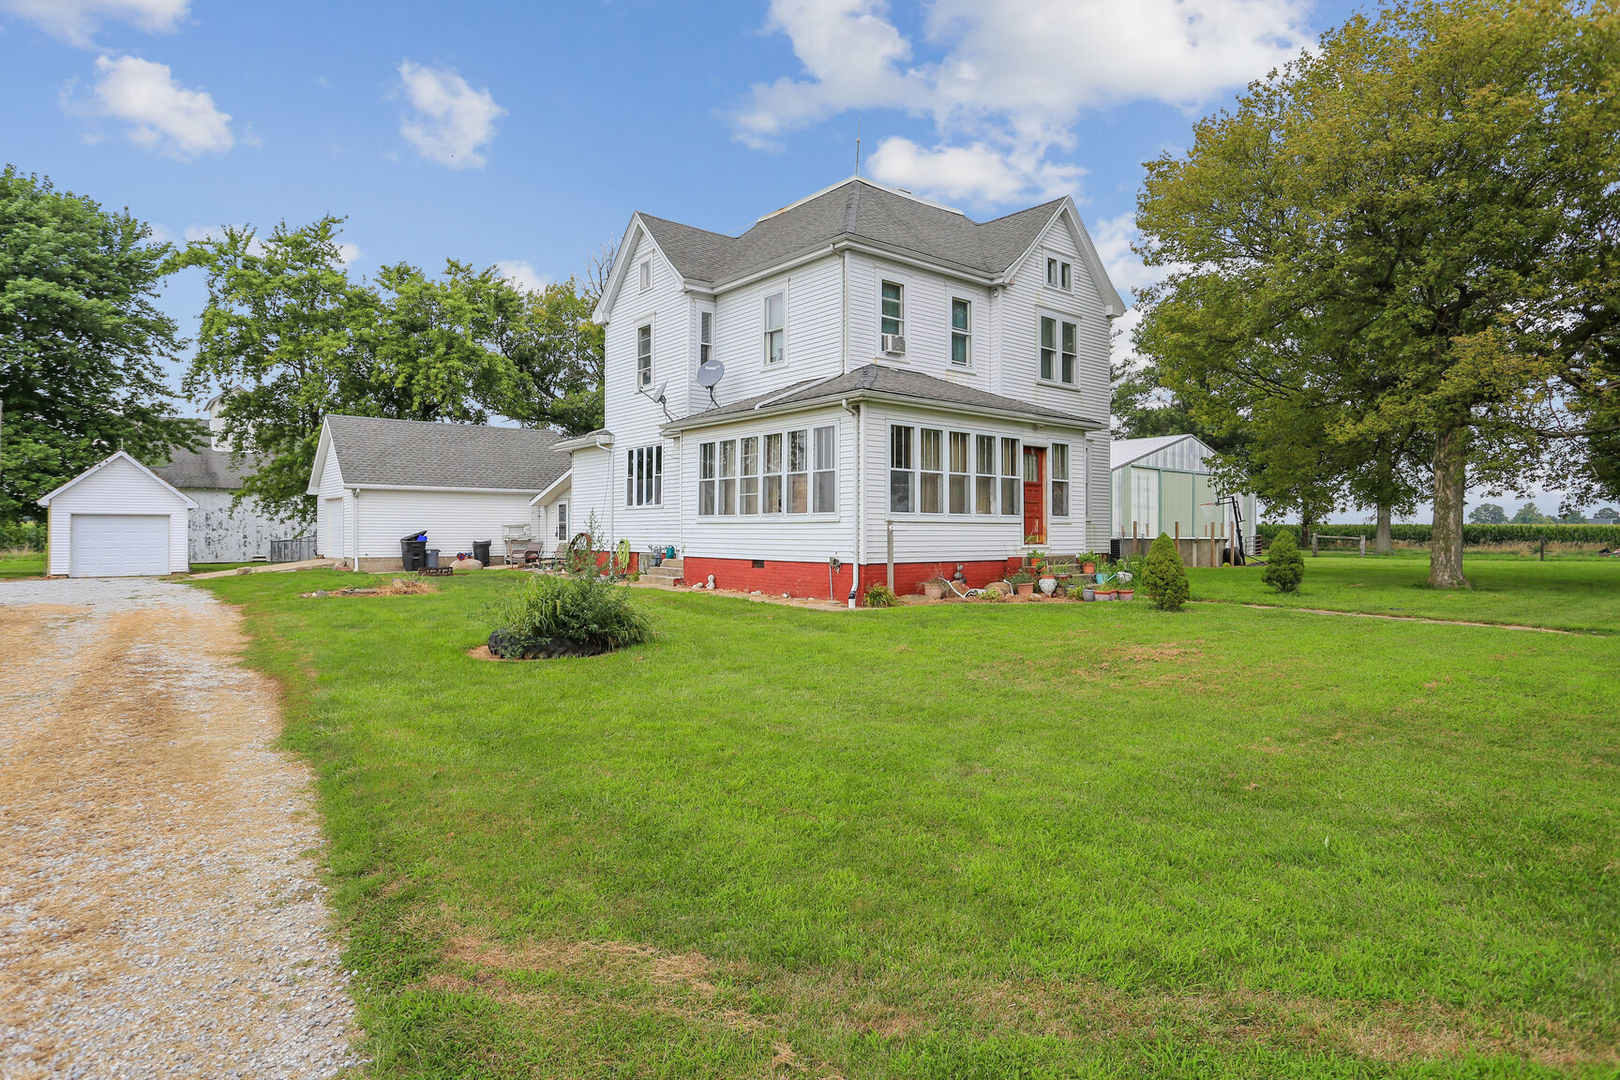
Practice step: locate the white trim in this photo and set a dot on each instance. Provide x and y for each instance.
(1113, 303)
(1079, 423)
(424, 487)
(565, 478)
(45, 500)
(1176, 441)
(596, 439)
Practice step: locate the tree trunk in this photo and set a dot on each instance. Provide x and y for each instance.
(1450, 481)
(1382, 544)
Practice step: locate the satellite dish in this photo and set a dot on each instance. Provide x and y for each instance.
(659, 394)
(709, 373)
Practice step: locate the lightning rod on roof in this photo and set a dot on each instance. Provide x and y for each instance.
(857, 145)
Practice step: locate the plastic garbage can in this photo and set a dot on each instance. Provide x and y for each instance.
(413, 551)
(481, 551)
(432, 558)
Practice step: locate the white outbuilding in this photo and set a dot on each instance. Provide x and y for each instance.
(117, 519)
(1163, 484)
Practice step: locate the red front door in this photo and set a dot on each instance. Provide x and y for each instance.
(1034, 495)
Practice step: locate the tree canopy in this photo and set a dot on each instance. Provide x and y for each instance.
(1401, 250)
(1488, 514)
(82, 341)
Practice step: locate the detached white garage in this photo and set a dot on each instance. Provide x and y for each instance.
(117, 519)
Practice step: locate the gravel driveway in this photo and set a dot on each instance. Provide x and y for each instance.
(159, 909)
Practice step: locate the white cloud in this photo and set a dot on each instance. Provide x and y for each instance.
(76, 20)
(348, 252)
(162, 114)
(522, 274)
(1005, 87)
(452, 123)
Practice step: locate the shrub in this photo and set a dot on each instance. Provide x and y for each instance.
(1474, 534)
(554, 616)
(1164, 576)
(880, 596)
(23, 536)
(1285, 566)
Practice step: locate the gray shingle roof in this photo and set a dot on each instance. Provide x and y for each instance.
(855, 210)
(878, 379)
(206, 467)
(415, 453)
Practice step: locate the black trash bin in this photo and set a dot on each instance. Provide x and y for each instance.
(413, 551)
(481, 551)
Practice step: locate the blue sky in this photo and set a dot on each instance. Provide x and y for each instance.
(525, 134)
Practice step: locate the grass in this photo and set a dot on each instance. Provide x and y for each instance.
(961, 841)
(1565, 593)
(22, 564)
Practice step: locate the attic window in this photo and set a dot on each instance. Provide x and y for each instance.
(644, 271)
(1058, 274)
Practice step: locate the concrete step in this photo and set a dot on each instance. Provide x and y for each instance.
(667, 574)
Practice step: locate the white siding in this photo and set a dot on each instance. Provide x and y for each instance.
(119, 487)
(814, 328)
(451, 519)
(589, 492)
(927, 311)
(1018, 315)
(224, 531)
(332, 534)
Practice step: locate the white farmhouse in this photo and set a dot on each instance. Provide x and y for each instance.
(883, 363)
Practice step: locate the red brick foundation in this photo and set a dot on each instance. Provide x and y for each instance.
(809, 579)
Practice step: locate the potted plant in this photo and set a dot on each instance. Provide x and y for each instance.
(1106, 593)
(934, 588)
(1023, 583)
(1047, 582)
(1125, 593)
(1088, 562)
(1088, 593)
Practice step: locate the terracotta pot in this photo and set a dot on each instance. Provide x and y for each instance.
(1025, 588)
(933, 590)
(1088, 568)
(1106, 594)
(1126, 594)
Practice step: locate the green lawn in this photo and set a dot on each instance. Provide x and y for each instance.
(961, 841)
(22, 564)
(1566, 593)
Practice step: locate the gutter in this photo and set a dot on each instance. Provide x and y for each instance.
(860, 501)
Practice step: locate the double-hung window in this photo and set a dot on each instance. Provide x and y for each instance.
(728, 476)
(1011, 476)
(825, 480)
(960, 462)
(748, 497)
(798, 478)
(893, 321)
(644, 476)
(1059, 351)
(1060, 480)
(562, 521)
(706, 479)
(644, 373)
(1059, 275)
(775, 328)
(931, 475)
(984, 493)
(705, 336)
(902, 481)
(961, 332)
(773, 474)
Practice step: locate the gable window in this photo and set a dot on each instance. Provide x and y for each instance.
(825, 480)
(644, 274)
(728, 476)
(644, 355)
(705, 336)
(893, 321)
(706, 458)
(931, 478)
(984, 493)
(901, 480)
(644, 476)
(1011, 477)
(773, 474)
(798, 479)
(748, 492)
(1058, 273)
(775, 328)
(1059, 354)
(961, 332)
(961, 448)
(1060, 480)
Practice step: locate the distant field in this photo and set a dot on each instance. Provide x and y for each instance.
(1565, 593)
(968, 841)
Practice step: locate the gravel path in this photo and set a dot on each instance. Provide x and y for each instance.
(160, 914)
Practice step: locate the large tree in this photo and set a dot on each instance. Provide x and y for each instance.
(1414, 225)
(82, 341)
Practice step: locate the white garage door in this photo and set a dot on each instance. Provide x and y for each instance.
(119, 545)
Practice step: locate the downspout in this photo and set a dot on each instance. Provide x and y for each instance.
(860, 501)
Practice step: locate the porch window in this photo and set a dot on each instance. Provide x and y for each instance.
(773, 474)
(644, 374)
(798, 479)
(984, 495)
(706, 462)
(1060, 480)
(775, 328)
(931, 478)
(728, 476)
(901, 480)
(961, 449)
(825, 481)
(961, 332)
(1011, 475)
(748, 500)
(644, 476)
